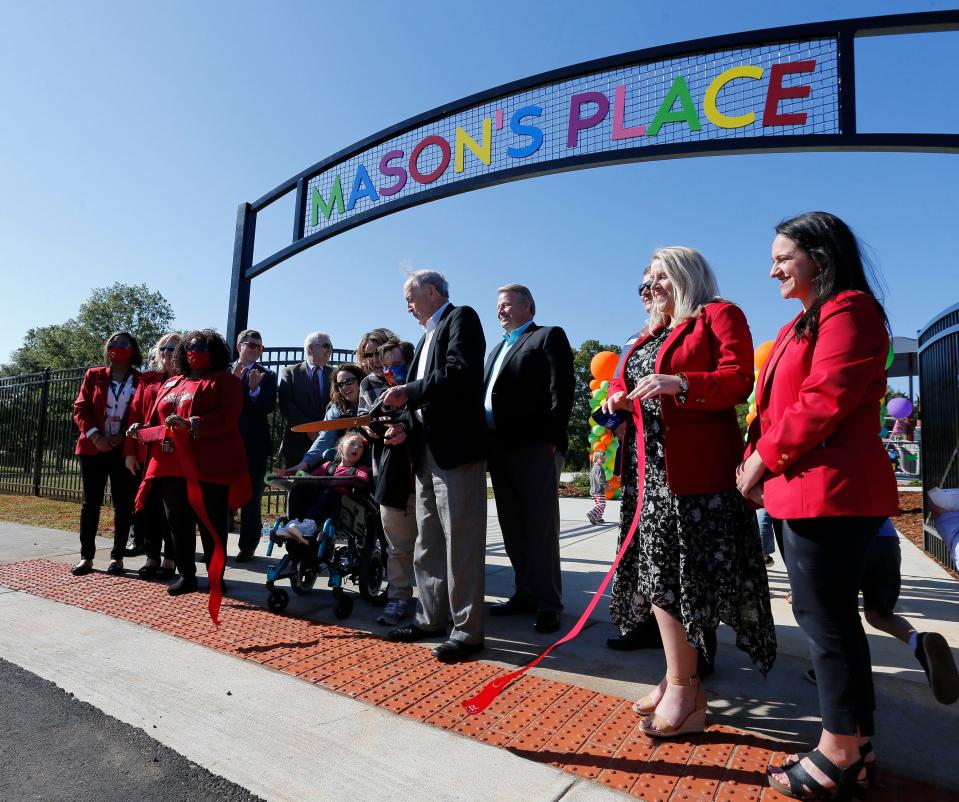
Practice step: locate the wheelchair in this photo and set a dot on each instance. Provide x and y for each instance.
(350, 544)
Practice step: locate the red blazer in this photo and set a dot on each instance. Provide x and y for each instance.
(703, 444)
(217, 449)
(140, 407)
(90, 408)
(817, 424)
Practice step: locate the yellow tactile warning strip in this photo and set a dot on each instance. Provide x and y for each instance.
(588, 734)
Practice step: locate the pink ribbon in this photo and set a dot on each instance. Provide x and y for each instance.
(477, 704)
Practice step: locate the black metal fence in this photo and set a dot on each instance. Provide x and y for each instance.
(38, 434)
(939, 391)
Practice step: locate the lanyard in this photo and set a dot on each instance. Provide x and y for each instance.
(120, 388)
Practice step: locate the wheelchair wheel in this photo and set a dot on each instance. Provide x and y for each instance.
(277, 600)
(343, 608)
(305, 579)
(372, 571)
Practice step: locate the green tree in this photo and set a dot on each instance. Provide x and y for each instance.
(577, 458)
(78, 342)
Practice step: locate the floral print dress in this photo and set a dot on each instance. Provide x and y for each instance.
(699, 557)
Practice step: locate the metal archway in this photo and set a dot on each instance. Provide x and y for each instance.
(774, 90)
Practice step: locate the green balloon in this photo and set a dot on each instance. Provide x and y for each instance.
(592, 422)
(604, 385)
(598, 430)
(890, 356)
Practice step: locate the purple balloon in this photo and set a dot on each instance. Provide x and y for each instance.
(900, 407)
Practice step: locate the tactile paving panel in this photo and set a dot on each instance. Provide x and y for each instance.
(590, 735)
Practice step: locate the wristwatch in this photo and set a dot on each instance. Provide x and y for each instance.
(683, 383)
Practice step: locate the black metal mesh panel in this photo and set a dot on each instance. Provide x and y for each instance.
(647, 85)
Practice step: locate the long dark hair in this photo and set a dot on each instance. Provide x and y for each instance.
(336, 397)
(216, 347)
(836, 250)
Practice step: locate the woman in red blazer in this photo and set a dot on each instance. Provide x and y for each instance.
(195, 456)
(101, 412)
(152, 518)
(699, 559)
(815, 459)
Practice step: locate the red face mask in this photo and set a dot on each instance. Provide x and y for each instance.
(199, 360)
(119, 353)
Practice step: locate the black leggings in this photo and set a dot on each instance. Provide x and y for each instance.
(94, 471)
(152, 521)
(183, 520)
(825, 558)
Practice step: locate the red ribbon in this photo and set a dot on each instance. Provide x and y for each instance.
(485, 697)
(194, 492)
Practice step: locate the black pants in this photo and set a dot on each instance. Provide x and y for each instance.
(94, 471)
(153, 523)
(525, 486)
(251, 516)
(825, 558)
(183, 520)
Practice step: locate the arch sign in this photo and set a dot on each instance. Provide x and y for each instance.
(783, 89)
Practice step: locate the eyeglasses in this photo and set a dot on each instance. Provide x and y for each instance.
(324, 345)
(346, 382)
(167, 348)
(252, 346)
(646, 286)
(196, 347)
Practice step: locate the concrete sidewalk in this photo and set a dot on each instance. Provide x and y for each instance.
(255, 740)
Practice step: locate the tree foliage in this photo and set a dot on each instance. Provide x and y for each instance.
(577, 458)
(78, 342)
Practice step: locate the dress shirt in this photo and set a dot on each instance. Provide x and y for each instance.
(421, 366)
(118, 399)
(510, 338)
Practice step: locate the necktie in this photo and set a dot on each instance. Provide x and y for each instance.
(317, 387)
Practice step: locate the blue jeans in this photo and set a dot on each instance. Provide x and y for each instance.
(766, 531)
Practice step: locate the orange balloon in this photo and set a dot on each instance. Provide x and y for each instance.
(594, 384)
(750, 418)
(603, 365)
(762, 353)
(598, 446)
(606, 439)
(613, 483)
(610, 492)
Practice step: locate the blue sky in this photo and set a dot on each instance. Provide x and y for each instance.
(132, 132)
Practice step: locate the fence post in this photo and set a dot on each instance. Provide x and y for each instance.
(41, 431)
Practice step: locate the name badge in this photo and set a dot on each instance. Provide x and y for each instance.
(171, 383)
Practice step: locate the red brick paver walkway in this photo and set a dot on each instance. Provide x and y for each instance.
(589, 734)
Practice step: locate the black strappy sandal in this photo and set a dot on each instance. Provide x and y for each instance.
(802, 785)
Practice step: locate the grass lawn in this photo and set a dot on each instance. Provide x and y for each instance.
(49, 513)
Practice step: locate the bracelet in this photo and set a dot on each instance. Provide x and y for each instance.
(683, 388)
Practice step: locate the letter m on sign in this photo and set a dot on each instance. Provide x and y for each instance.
(318, 203)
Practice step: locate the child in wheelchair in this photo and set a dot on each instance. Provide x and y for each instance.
(312, 504)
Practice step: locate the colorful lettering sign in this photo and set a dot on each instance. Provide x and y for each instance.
(773, 90)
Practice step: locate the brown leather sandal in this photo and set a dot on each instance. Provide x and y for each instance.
(659, 727)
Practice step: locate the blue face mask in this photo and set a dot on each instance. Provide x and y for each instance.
(395, 375)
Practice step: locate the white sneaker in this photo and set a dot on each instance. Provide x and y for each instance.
(303, 530)
(394, 612)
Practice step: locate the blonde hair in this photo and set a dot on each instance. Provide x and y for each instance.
(694, 283)
(153, 360)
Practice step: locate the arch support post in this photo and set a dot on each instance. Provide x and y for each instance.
(239, 311)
